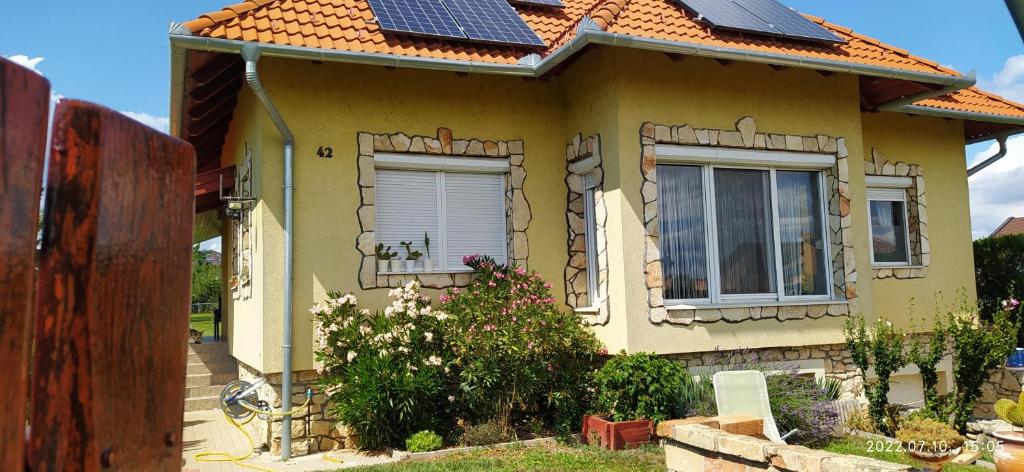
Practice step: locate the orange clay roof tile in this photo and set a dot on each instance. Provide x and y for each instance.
(350, 25)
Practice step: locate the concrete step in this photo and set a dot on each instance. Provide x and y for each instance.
(209, 357)
(203, 391)
(202, 403)
(218, 346)
(224, 367)
(207, 379)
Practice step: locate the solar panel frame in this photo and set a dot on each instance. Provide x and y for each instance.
(416, 17)
(728, 15)
(539, 3)
(492, 21)
(787, 21)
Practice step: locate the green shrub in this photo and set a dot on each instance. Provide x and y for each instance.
(926, 356)
(926, 434)
(423, 441)
(487, 433)
(883, 350)
(999, 274)
(386, 374)
(639, 386)
(979, 347)
(517, 354)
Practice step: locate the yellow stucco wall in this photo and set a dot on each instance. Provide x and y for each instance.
(937, 145)
(607, 91)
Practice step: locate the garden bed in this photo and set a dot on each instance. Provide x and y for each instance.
(555, 458)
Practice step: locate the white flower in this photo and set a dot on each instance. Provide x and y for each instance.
(451, 398)
(434, 360)
(351, 355)
(429, 336)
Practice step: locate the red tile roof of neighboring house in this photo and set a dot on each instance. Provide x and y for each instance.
(1012, 225)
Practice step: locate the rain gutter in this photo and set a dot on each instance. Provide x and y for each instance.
(1001, 139)
(251, 54)
(963, 115)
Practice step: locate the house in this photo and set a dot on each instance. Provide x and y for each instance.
(1012, 225)
(690, 182)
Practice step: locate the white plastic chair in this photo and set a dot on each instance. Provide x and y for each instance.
(744, 392)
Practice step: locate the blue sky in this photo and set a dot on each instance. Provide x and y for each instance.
(115, 52)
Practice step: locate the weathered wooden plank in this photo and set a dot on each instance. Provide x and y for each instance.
(24, 103)
(113, 296)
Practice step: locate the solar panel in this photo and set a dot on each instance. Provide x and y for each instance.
(726, 14)
(493, 21)
(789, 22)
(542, 3)
(767, 17)
(419, 17)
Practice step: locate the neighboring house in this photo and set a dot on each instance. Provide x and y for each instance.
(212, 257)
(686, 188)
(1012, 225)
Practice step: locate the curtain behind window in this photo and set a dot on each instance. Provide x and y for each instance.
(682, 224)
(888, 232)
(745, 245)
(801, 233)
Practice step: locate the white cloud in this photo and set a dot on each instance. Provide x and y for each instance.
(1009, 81)
(211, 244)
(159, 123)
(996, 191)
(30, 63)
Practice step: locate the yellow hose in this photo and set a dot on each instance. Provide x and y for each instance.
(218, 456)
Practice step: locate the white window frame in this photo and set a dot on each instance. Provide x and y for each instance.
(594, 295)
(889, 189)
(441, 165)
(711, 158)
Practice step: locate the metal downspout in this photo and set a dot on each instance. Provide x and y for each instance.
(251, 54)
(1001, 138)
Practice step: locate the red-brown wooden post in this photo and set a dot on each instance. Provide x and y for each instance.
(24, 103)
(108, 382)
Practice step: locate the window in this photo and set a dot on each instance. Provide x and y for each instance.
(462, 213)
(731, 234)
(594, 294)
(890, 235)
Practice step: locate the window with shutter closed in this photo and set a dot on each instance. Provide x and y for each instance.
(462, 213)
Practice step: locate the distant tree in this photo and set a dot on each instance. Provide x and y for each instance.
(205, 278)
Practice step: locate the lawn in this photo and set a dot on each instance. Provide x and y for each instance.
(202, 322)
(859, 447)
(535, 459)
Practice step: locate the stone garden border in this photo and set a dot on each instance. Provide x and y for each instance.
(917, 216)
(745, 135)
(517, 209)
(582, 158)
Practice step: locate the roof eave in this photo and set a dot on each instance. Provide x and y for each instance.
(966, 116)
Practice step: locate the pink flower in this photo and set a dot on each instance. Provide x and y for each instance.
(520, 271)
(603, 351)
(551, 368)
(547, 284)
(467, 259)
(491, 284)
(444, 298)
(456, 290)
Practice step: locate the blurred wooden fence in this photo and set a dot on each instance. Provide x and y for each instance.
(92, 324)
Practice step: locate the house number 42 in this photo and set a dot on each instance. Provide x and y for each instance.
(325, 152)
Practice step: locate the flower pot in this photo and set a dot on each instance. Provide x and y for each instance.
(428, 265)
(410, 266)
(615, 435)
(396, 265)
(382, 266)
(933, 460)
(1009, 454)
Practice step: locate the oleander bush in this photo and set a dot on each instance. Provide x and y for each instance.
(640, 386)
(517, 355)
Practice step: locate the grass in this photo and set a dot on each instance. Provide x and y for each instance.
(859, 447)
(202, 322)
(535, 459)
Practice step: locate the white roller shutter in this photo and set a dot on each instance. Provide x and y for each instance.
(407, 206)
(474, 217)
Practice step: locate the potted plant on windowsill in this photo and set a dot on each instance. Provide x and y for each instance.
(384, 257)
(932, 442)
(428, 263)
(634, 391)
(411, 256)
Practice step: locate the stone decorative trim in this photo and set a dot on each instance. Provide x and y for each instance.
(583, 157)
(746, 136)
(917, 216)
(517, 209)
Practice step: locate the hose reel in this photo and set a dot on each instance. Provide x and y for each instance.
(238, 391)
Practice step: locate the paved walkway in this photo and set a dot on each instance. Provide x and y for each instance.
(209, 431)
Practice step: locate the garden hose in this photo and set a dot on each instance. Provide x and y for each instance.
(255, 411)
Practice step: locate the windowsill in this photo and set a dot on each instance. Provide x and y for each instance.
(754, 304)
(588, 310)
(896, 266)
(415, 272)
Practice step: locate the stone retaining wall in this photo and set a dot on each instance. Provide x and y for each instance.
(1005, 383)
(702, 444)
(313, 430)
